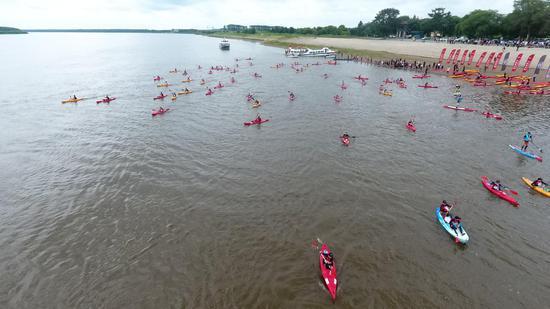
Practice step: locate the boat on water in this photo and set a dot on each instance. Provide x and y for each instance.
(224, 44)
(307, 52)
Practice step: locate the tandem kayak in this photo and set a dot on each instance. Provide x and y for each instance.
(345, 140)
(525, 153)
(156, 112)
(72, 100)
(328, 275)
(411, 127)
(491, 115)
(502, 194)
(458, 236)
(544, 191)
(464, 109)
(253, 122)
(105, 100)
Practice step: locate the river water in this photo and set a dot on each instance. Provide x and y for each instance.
(104, 206)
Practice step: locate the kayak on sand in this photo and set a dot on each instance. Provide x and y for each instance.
(525, 153)
(328, 275)
(464, 109)
(461, 237)
(544, 191)
(502, 194)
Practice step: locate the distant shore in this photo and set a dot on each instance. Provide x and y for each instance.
(380, 49)
(9, 30)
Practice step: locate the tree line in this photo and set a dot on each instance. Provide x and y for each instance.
(529, 19)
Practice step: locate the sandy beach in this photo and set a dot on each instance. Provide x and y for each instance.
(421, 49)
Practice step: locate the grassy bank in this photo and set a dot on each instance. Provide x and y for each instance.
(8, 30)
(284, 40)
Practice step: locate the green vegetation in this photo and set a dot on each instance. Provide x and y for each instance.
(530, 19)
(8, 30)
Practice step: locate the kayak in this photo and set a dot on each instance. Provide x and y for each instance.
(329, 275)
(209, 93)
(159, 112)
(185, 92)
(544, 191)
(345, 140)
(174, 98)
(427, 87)
(256, 105)
(421, 76)
(72, 100)
(156, 79)
(388, 94)
(105, 100)
(186, 80)
(525, 153)
(502, 194)
(491, 115)
(411, 127)
(218, 86)
(160, 97)
(464, 109)
(337, 99)
(291, 98)
(456, 234)
(255, 122)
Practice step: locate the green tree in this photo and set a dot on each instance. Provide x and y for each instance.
(529, 18)
(442, 21)
(481, 24)
(386, 22)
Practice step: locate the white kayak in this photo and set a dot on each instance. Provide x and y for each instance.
(458, 237)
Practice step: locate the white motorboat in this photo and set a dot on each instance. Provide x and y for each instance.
(323, 52)
(224, 44)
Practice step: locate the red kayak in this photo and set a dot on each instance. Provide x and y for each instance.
(491, 115)
(421, 76)
(345, 140)
(160, 97)
(427, 87)
(464, 109)
(328, 275)
(502, 194)
(209, 93)
(156, 112)
(105, 100)
(411, 127)
(255, 121)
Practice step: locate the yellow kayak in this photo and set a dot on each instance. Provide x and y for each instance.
(164, 85)
(471, 71)
(256, 105)
(174, 98)
(186, 80)
(72, 100)
(543, 191)
(388, 94)
(185, 92)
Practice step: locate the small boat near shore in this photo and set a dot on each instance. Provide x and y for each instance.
(224, 45)
(307, 52)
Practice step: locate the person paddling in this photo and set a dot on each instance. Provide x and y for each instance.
(526, 139)
(444, 210)
(456, 223)
(539, 183)
(258, 117)
(496, 185)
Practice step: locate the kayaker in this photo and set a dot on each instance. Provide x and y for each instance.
(258, 118)
(74, 97)
(161, 94)
(444, 210)
(161, 109)
(291, 95)
(456, 223)
(426, 85)
(184, 72)
(526, 139)
(345, 135)
(328, 259)
(410, 123)
(496, 185)
(186, 90)
(107, 98)
(458, 100)
(539, 183)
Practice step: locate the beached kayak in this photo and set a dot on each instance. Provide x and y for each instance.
(491, 115)
(329, 275)
(156, 112)
(544, 191)
(72, 100)
(427, 87)
(456, 234)
(253, 122)
(502, 194)
(105, 100)
(160, 97)
(345, 140)
(525, 153)
(411, 127)
(464, 109)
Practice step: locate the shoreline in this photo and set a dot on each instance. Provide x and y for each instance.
(386, 50)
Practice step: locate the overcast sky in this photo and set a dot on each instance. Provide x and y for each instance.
(168, 14)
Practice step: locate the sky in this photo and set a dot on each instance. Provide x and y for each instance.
(204, 14)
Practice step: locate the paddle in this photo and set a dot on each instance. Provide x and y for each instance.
(510, 190)
(540, 149)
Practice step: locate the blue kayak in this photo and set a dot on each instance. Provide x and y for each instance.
(459, 237)
(525, 153)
